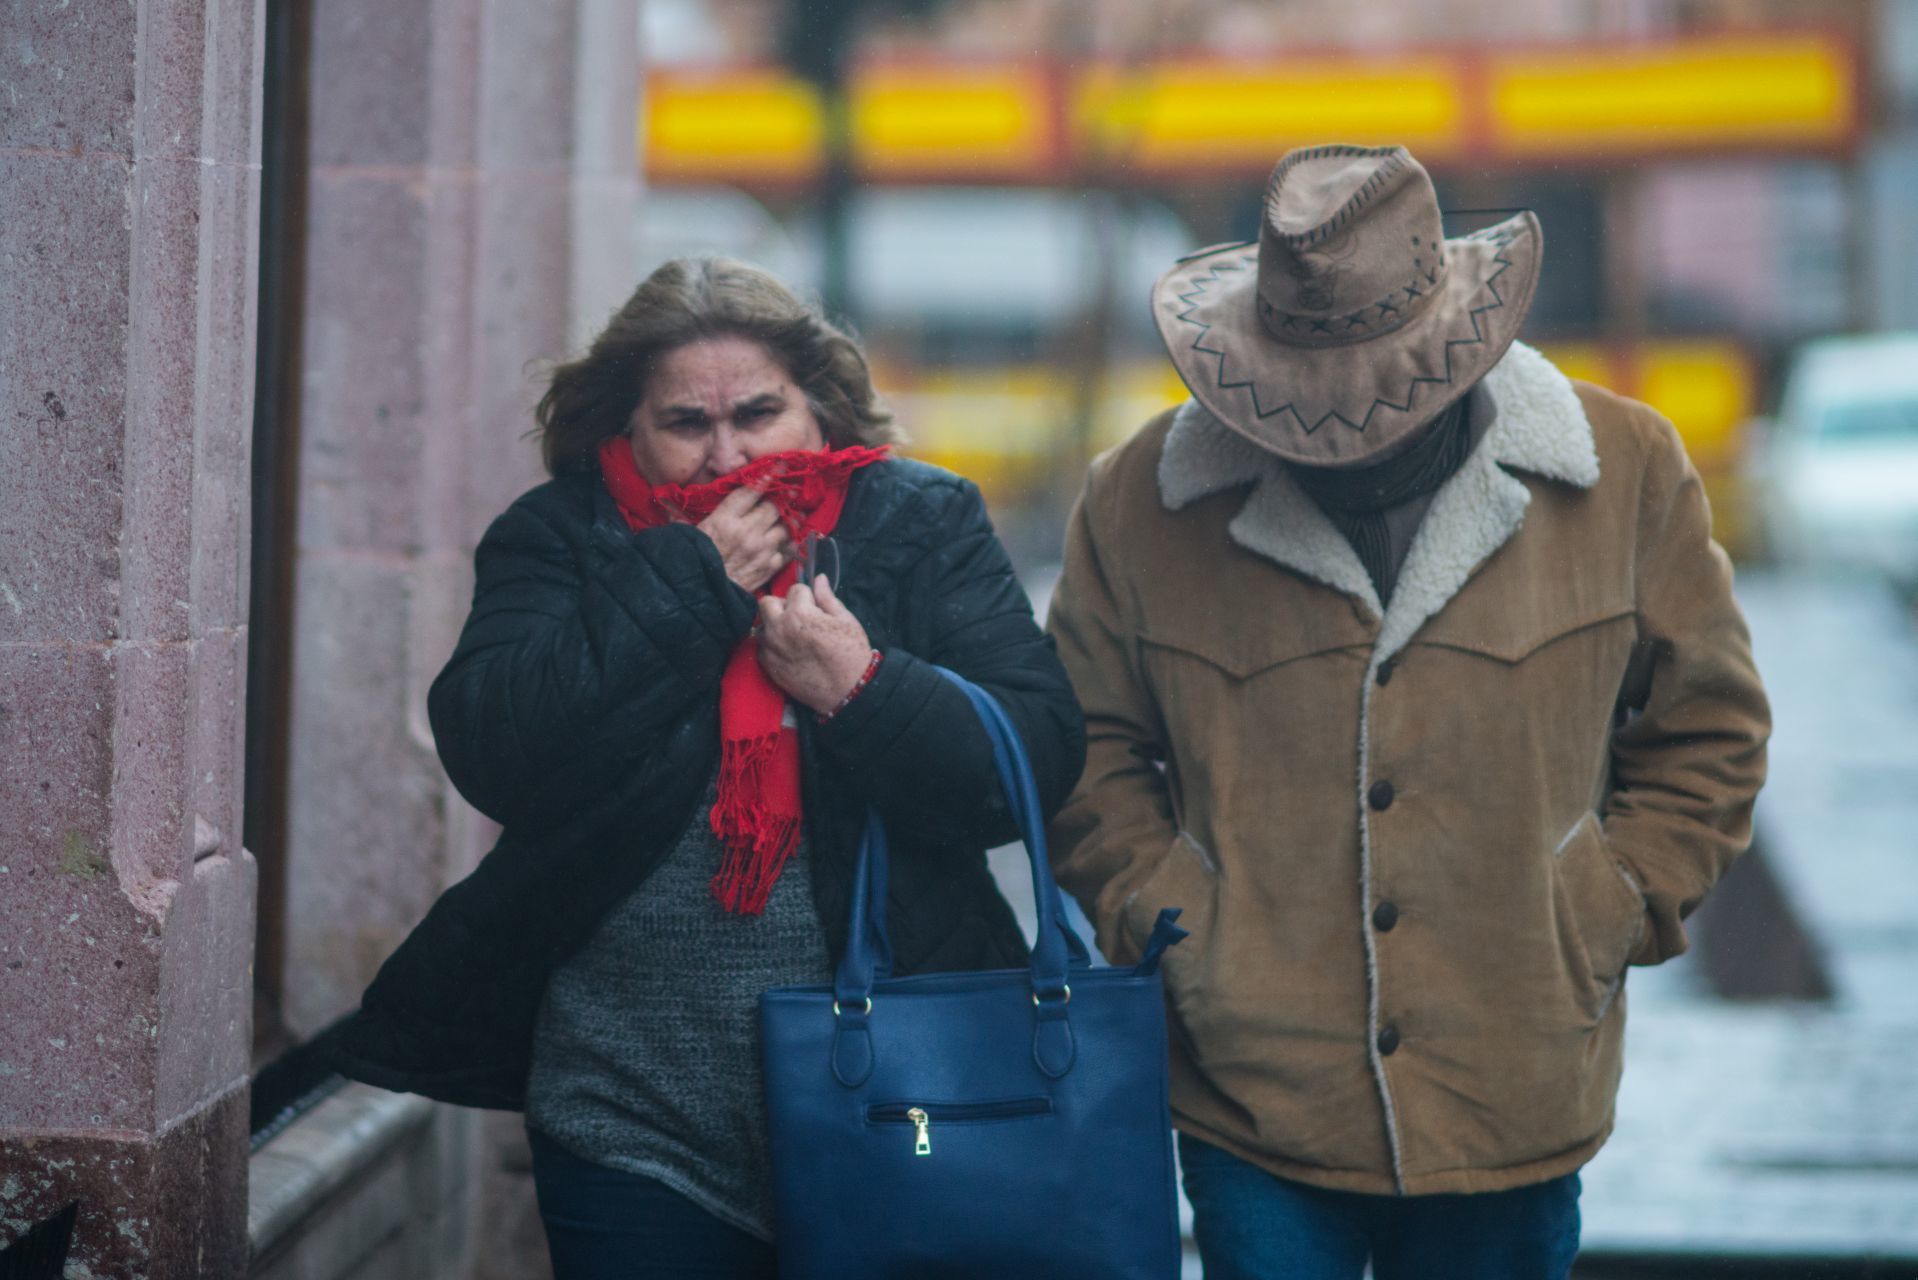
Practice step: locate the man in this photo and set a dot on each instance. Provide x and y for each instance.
(1412, 674)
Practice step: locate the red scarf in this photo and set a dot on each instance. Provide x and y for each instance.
(757, 816)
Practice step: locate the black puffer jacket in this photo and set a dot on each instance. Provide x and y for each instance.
(580, 711)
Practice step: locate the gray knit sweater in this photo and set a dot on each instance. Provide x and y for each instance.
(646, 1055)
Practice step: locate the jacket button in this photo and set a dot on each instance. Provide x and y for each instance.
(1380, 796)
(1388, 1040)
(1384, 916)
(1384, 676)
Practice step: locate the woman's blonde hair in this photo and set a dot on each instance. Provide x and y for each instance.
(689, 299)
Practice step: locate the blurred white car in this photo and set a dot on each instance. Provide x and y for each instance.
(1838, 468)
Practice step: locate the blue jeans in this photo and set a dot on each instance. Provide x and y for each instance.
(606, 1224)
(1251, 1225)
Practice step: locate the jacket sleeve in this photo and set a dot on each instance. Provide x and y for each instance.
(911, 742)
(1118, 827)
(566, 674)
(1688, 755)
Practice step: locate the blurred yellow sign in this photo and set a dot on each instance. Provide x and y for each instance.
(1035, 121)
(984, 123)
(723, 126)
(1726, 92)
(1191, 115)
(1003, 426)
(1705, 386)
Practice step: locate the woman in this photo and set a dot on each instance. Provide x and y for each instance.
(696, 658)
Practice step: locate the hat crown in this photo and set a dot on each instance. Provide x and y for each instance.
(1351, 246)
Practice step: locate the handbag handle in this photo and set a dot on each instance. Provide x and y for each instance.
(1056, 950)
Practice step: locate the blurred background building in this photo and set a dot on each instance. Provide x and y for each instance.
(280, 277)
(1018, 170)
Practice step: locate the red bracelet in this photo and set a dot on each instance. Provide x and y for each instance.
(872, 669)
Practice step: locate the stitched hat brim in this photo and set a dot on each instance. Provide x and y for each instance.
(1350, 404)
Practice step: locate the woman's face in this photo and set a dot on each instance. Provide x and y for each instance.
(714, 405)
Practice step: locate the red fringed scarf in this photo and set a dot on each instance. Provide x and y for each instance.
(757, 816)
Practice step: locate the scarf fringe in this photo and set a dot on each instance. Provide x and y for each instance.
(758, 839)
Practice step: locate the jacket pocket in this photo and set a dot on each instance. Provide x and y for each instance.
(1601, 914)
(1185, 878)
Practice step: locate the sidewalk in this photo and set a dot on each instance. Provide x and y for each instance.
(1759, 1130)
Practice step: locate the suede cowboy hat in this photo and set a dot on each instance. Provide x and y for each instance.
(1352, 321)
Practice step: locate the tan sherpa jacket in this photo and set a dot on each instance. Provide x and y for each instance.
(1416, 851)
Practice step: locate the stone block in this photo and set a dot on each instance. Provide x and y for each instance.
(78, 962)
(512, 1241)
(525, 126)
(68, 84)
(95, 776)
(454, 1240)
(364, 399)
(447, 360)
(219, 741)
(282, 1266)
(167, 1205)
(443, 1191)
(520, 299)
(64, 264)
(443, 1168)
(604, 275)
(374, 62)
(206, 1004)
(453, 143)
(346, 1236)
(235, 55)
(153, 828)
(366, 814)
(164, 385)
(442, 591)
(56, 763)
(223, 407)
(606, 80)
(171, 89)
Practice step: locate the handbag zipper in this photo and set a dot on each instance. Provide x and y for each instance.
(921, 1116)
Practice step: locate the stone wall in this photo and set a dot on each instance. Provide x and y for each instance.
(471, 190)
(129, 161)
(368, 1185)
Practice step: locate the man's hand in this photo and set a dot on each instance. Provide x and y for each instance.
(812, 646)
(751, 537)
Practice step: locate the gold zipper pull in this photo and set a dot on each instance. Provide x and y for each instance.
(923, 1123)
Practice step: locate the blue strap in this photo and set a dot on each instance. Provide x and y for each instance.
(1022, 794)
(1165, 933)
(868, 946)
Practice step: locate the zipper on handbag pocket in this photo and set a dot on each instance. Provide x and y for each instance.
(922, 1116)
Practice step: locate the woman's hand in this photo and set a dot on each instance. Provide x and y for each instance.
(751, 537)
(812, 646)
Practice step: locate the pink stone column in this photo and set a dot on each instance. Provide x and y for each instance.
(445, 182)
(384, 367)
(447, 175)
(129, 180)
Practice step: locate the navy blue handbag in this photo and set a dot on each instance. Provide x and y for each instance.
(1009, 1125)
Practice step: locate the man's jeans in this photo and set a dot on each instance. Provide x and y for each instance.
(1253, 1226)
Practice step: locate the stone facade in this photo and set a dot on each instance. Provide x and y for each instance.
(470, 194)
(471, 189)
(129, 159)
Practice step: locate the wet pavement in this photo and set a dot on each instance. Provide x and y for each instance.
(1759, 1129)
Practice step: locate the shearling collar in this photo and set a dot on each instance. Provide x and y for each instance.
(1541, 428)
